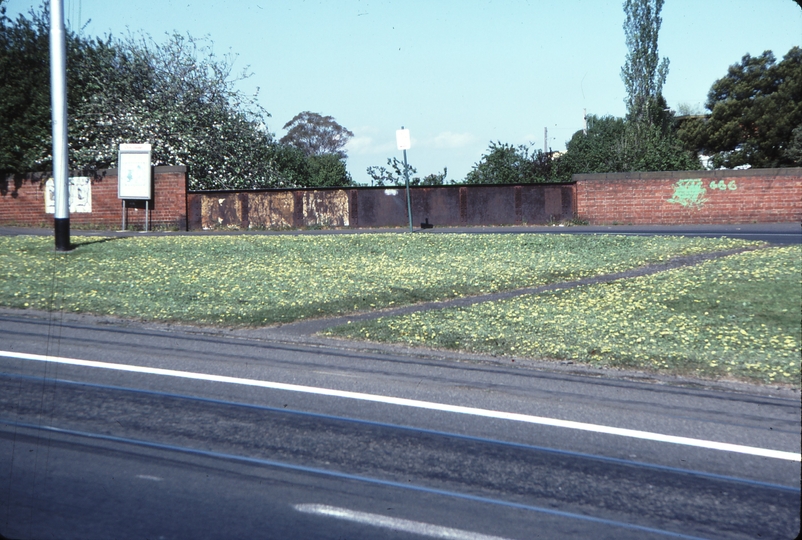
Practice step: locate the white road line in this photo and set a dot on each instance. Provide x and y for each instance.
(149, 477)
(396, 524)
(487, 413)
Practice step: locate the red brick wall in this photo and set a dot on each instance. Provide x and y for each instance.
(688, 197)
(22, 201)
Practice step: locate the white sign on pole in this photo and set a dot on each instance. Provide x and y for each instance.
(133, 172)
(402, 139)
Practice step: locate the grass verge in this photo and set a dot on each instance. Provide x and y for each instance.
(258, 280)
(735, 317)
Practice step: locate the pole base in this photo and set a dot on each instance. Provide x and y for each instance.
(62, 226)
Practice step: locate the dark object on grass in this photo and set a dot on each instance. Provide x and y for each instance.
(426, 225)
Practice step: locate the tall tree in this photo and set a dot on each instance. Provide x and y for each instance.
(316, 134)
(755, 114)
(643, 73)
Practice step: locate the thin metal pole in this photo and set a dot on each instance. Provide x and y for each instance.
(409, 200)
(58, 100)
(545, 140)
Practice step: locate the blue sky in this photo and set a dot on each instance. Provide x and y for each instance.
(458, 74)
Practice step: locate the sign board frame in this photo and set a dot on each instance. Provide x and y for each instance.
(134, 179)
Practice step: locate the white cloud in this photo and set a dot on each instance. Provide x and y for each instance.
(448, 139)
(359, 145)
(364, 142)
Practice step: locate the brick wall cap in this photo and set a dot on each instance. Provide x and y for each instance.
(678, 175)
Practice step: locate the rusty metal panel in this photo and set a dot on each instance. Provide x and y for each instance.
(271, 209)
(518, 205)
(194, 211)
(554, 202)
(244, 207)
(568, 196)
(491, 205)
(326, 208)
(440, 205)
(353, 197)
(220, 210)
(382, 207)
(533, 205)
(297, 209)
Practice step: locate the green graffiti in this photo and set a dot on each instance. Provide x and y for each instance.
(689, 192)
(723, 186)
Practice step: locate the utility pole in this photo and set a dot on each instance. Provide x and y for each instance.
(545, 140)
(585, 118)
(58, 101)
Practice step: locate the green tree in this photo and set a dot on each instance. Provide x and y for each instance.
(316, 134)
(434, 179)
(25, 132)
(328, 170)
(507, 164)
(289, 166)
(393, 175)
(614, 145)
(643, 72)
(600, 150)
(794, 151)
(755, 112)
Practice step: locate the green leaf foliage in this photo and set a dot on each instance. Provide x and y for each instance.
(177, 95)
(393, 175)
(507, 164)
(614, 145)
(755, 114)
(25, 122)
(328, 170)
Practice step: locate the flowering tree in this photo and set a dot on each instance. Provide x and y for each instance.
(182, 99)
(177, 95)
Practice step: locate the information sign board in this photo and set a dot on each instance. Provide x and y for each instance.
(133, 172)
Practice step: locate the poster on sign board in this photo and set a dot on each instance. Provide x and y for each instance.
(133, 172)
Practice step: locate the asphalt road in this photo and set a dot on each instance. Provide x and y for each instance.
(776, 233)
(145, 431)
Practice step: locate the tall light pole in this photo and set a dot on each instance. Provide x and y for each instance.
(58, 101)
(402, 139)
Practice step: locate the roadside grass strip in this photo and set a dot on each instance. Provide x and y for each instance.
(735, 317)
(249, 280)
